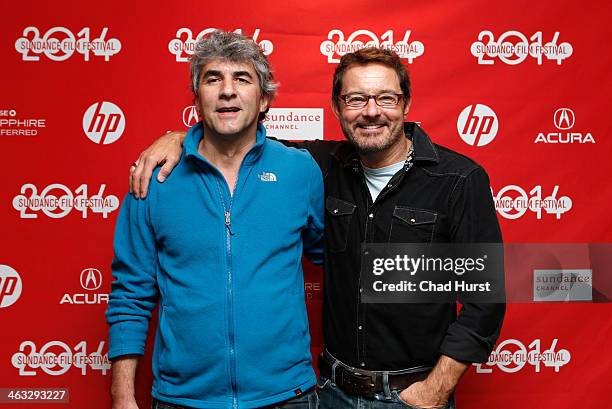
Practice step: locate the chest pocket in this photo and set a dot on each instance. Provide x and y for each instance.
(410, 225)
(339, 215)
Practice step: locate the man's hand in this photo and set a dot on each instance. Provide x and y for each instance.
(422, 395)
(125, 404)
(165, 151)
(434, 391)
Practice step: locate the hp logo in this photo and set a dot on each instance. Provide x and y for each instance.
(103, 122)
(477, 125)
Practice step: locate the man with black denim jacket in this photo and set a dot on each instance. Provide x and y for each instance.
(390, 183)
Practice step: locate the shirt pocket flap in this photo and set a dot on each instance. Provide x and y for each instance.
(415, 217)
(338, 207)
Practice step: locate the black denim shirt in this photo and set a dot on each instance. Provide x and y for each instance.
(443, 197)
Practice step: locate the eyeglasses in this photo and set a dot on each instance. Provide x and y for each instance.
(386, 100)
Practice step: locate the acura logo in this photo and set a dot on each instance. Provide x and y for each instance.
(564, 118)
(91, 279)
(190, 116)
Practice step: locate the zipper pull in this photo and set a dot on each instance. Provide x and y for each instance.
(228, 222)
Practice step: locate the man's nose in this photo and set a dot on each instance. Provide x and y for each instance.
(371, 109)
(228, 88)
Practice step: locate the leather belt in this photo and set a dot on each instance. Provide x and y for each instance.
(368, 384)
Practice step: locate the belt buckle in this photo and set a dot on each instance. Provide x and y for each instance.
(365, 386)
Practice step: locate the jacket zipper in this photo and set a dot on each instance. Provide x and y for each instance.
(227, 217)
(230, 288)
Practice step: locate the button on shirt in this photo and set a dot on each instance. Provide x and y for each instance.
(377, 179)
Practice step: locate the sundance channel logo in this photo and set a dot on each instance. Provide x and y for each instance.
(295, 123)
(563, 285)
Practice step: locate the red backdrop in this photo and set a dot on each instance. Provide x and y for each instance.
(521, 87)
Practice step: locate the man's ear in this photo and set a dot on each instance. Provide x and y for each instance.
(196, 103)
(264, 104)
(334, 106)
(407, 107)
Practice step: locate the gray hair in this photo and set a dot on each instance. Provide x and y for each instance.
(223, 45)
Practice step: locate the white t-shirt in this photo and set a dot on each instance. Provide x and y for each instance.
(377, 179)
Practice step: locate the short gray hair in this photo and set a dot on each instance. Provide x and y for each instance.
(223, 45)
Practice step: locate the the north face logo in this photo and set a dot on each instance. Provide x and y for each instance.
(267, 177)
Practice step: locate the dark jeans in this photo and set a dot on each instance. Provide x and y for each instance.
(332, 397)
(307, 400)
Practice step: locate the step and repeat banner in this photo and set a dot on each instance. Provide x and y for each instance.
(521, 87)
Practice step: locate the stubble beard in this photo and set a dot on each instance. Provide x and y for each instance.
(365, 145)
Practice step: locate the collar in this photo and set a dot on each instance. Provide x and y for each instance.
(196, 133)
(423, 148)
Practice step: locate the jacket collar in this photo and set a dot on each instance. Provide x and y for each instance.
(424, 149)
(196, 133)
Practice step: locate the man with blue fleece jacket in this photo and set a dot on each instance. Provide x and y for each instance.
(220, 246)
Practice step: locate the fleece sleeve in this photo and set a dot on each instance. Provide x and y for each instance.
(134, 291)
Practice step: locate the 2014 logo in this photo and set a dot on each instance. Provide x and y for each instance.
(58, 205)
(512, 355)
(336, 46)
(59, 44)
(487, 49)
(512, 202)
(183, 45)
(55, 358)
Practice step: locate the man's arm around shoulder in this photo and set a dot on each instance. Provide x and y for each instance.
(166, 152)
(313, 236)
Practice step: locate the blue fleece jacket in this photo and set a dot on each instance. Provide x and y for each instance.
(233, 330)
